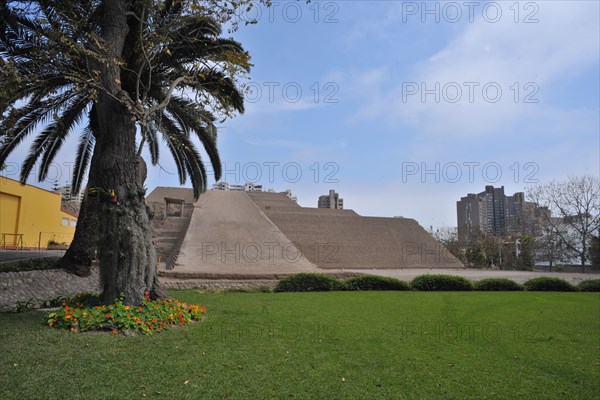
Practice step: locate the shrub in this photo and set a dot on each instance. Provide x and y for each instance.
(547, 284)
(249, 289)
(149, 317)
(590, 285)
(497, 284)
(374, 282)
(308, 282)
(441, 282)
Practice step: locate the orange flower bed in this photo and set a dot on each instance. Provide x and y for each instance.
(149, 317)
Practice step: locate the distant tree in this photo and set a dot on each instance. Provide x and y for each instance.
(525, 260)
(448, 237)
(574, 207)
(476, 255)
(595, 251)
(549, 246)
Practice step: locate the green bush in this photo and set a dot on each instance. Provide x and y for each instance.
(308, 282)
(374, 282)
(590, 285)
(497, 284)
(250, 289)
(547, 284)
(441, 282)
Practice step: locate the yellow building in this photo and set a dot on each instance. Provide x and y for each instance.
(31, 217)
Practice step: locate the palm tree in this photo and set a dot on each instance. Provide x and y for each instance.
(129, 69)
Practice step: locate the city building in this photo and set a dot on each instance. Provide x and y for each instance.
(31, 217)
(331, 200)
(247, 187)
(493, 213)
(68, 194)
(288, 193)
(221, 185)
(251, 187)
(522, 216)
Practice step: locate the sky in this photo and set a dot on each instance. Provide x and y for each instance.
(404, 107)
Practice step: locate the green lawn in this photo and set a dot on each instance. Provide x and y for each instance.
(337, 345)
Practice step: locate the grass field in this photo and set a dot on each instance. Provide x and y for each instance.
(338, 345)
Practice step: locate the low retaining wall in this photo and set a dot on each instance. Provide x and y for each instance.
(219, 284)
(32, 289)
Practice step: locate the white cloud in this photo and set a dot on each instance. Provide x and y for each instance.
(520, 60)
(267, 106)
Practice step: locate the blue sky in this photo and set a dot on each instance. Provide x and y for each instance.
(404, 111)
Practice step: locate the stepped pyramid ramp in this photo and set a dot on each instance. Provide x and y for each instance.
(169, 234)
(230, 235)
(160, 192)
(279, 202)
(342, 239)
(169, 226)
(267, 200)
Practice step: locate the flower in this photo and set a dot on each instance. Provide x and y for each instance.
(151, 316)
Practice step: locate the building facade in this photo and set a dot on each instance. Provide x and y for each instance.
(31, 217)
(331, 200)
(247, 187)
(250, 187)
(492, 213)
(69, 195)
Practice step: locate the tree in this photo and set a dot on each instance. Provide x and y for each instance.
(449, 238)
(476, 255)
(525, 259)
(595, 251)
(576, 205)
(548, 244)
(135, 69)
(81, 253)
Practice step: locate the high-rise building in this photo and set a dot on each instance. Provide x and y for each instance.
(521, 215)
(69, 196)
(491, 212)
(331, 200)
(471, 215)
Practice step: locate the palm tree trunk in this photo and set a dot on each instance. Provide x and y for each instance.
(82, 251)
(126, 253)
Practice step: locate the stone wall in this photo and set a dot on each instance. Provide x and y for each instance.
(32, 289)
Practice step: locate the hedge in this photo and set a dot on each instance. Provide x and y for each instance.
(441, 282)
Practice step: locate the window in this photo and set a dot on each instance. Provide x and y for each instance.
(65, 222)
(73, 222)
